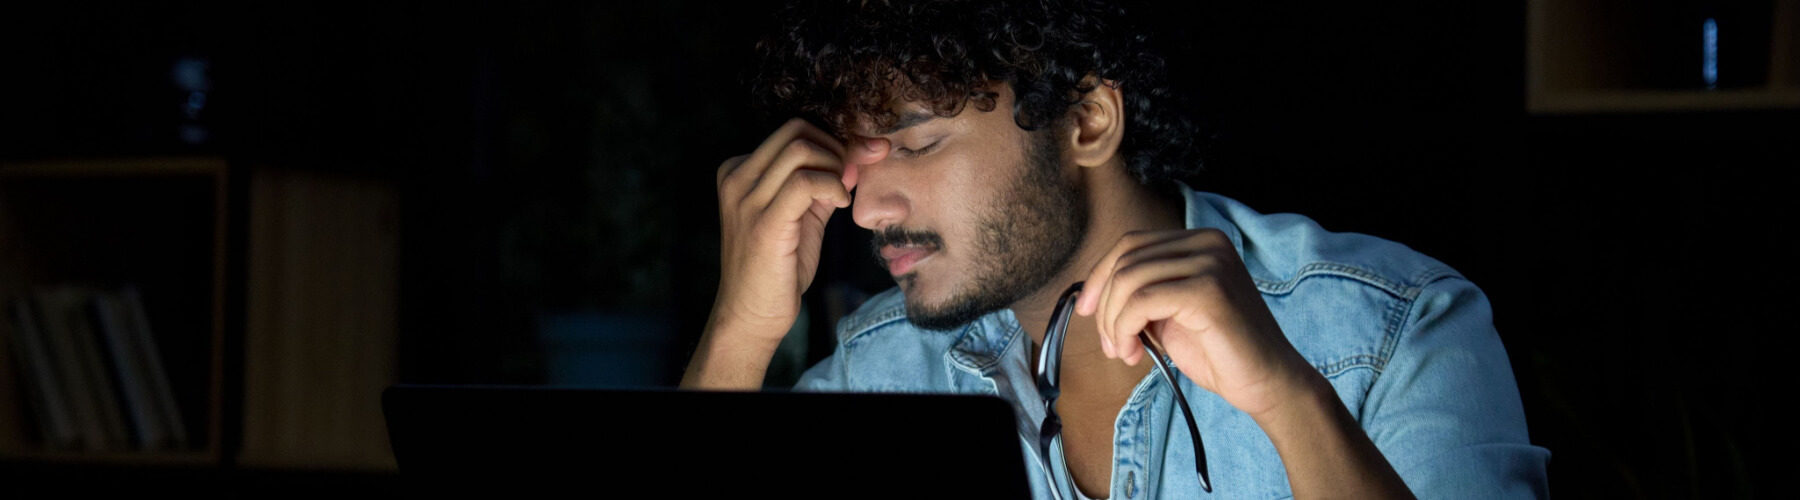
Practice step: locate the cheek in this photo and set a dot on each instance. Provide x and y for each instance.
(958, 204)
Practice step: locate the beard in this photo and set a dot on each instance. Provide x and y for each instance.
(1028, 236)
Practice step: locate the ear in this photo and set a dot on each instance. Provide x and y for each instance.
(1097, 124)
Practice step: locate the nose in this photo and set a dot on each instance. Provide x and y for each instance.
(880, 201)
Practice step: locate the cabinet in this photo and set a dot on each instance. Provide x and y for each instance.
(271, 295)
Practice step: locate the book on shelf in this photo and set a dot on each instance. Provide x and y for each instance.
(49, 403)
(93, 372)
(149, 358)
(132, 354)
(72, 364)
(75, 307)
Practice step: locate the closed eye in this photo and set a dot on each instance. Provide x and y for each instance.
(915, 153)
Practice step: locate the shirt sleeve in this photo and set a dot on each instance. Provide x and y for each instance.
(1445, 410)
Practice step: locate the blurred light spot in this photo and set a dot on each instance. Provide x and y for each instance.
(190, 74)
(1709, 65)
(193, 134)
(196, 101)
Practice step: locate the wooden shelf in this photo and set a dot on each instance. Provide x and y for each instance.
(1625, 101)
(198, 165)
(200, 458)
(319, 274)
(158, 224)
(1616, 56)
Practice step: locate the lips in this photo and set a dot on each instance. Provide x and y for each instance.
(901, 259)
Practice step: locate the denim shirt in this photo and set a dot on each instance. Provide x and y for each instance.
(1408, 344)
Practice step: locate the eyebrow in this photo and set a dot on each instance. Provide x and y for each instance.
(906, 121)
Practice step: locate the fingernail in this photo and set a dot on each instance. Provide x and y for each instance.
(1106, 345)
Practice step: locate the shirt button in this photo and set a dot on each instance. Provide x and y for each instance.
(1130, 484)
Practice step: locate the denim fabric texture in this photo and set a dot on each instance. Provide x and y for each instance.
(1408, 343)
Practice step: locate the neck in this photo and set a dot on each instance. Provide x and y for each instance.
(1117, 204)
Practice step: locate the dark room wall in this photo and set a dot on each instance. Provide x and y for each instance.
(555, 161)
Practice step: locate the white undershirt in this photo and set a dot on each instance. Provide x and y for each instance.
(1063, 478)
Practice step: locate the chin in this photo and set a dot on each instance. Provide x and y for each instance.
(935, 305)
(922, 289)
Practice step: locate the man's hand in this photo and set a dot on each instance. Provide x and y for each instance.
(773, 205)
(1191, 292)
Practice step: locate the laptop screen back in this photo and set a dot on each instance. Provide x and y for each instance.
(459, 439)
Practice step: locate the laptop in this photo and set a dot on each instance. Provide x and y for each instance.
(536, 441)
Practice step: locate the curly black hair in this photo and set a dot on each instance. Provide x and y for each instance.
(833, 61)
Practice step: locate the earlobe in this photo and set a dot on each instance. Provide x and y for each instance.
(1098, 125)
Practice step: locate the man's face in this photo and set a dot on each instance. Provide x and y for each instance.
(970, 213)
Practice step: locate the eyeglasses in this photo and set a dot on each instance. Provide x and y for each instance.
(1049, 384)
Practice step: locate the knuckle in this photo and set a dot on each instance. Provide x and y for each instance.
(1205, 281)
(799, 182)
(730, 165)
(1119, 265)
(1135, 255)
(1212, 236)
(804, 177)
(794, 123)
(798, 147)
(1203, 257)
(1127, 272)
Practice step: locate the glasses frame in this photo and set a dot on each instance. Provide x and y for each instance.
(1049, 384)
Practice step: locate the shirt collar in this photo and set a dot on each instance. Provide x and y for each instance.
(1201, 213)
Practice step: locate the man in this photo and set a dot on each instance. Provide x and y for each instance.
(1002, 152)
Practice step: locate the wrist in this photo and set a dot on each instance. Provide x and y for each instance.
(732, 354)
(727, 333)
(727, 361)
(1323, 448)
(733, 326)
(1306, 400)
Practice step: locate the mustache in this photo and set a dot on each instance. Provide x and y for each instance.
(897, 236)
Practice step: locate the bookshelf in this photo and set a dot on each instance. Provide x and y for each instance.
(1617, 56)
(155, 224)
(269, 290)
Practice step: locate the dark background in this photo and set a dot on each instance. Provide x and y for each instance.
(555, 160)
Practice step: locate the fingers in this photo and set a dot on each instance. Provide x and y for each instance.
(1182, 302)
(1131, 286)
(1144, 261)
(1089, 300)
(799, 154)
(862, 151)
(793, 129)
(1099, 292)
(866, 150)
(802, 189)
(725, 169)
(747, 174)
